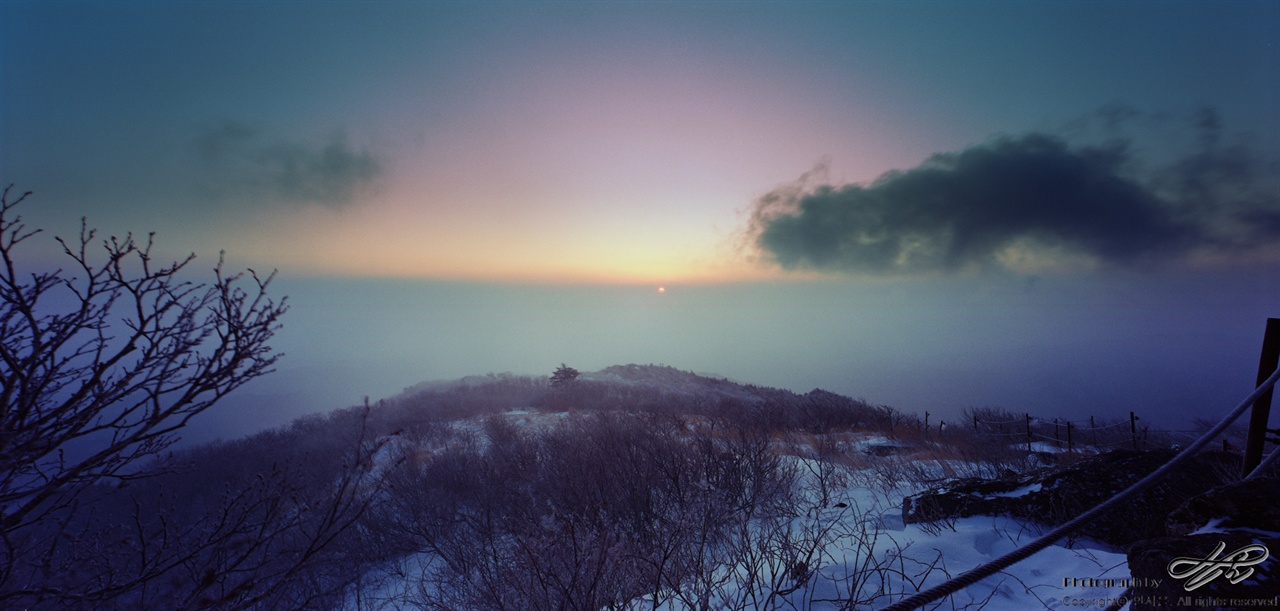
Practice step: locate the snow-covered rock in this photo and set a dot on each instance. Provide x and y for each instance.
(1057, 494)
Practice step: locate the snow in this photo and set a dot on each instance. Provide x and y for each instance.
(1211, 527)
(917, 556)
(1214, 526)
(870, 442)
(533, 420)
(1020, 492)
(1035, 583)
(1043, 581)
(1047, 447)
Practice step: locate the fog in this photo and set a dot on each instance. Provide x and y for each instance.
(1168, 347)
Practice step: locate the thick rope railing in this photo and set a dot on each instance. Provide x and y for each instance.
(979, 573)
(999, 422)
(1264, 465)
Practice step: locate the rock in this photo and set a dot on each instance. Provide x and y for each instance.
(1057, 494)
(1155, 588)
(1189, 523)
(965, 497)
(1229, 519)
(1252, 504)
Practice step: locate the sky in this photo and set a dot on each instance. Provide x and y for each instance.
(1057, 207)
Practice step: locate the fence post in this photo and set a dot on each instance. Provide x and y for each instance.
(1070, 447)
(1262, 406)
(1133, 430)
(1028, 433)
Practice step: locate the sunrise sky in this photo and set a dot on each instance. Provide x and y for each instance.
(1114, 166)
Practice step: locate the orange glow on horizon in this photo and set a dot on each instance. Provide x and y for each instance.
(633, 277)
(409, 239)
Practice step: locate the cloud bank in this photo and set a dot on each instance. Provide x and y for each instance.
(1027, 203)
(241, 163)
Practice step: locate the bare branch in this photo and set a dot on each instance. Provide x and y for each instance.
(100, 367)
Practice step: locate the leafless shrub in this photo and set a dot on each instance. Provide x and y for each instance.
(825, 460)
(592, 513)
(100, 366)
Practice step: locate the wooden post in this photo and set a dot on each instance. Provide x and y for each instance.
(1262, 407)
(1070, 447)
(1133, 430)
(926, 425)
(1093, 428)
(1028, 433)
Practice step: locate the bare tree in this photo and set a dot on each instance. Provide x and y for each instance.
(101, 364)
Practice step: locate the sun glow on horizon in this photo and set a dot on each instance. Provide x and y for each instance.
(403, 234)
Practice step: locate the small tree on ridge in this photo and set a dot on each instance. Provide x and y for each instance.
(563, 376)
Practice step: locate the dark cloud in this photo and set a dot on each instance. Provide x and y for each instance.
(1029, 198)
(240, 162)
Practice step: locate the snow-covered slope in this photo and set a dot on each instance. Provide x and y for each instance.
(833, 539)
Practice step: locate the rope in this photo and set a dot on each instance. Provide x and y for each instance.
(1083, 425)
(1075, 424)
(1014, 421)
(1264, 465)
(979, 573)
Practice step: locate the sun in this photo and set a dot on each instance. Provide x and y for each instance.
(662, 289)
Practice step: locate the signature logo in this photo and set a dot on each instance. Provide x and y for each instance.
(1234, 566)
